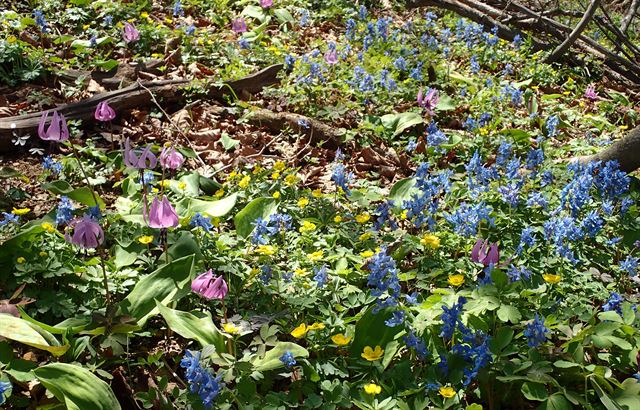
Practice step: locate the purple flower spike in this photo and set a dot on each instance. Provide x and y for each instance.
(209, 286)
(162, 215)
(239, 25)
(146, 159)
(428, 101)
(130, 33)
(266, 3)
(104, 112)
(57, 130)
(170, 158)
(331, 57)
(87, 233)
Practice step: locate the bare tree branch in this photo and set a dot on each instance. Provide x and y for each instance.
(626, 20)
(565, 45)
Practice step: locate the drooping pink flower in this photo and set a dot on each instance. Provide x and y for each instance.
(104, 112)
(170, 158)
(57, 130)
(239, 25)
(485, 252)
(331, 57)
(210, 286)
(130, 33)
(591, 93)
(87, 233)
(162, 215)
(428, 101)
(266, 3)
(145, 160)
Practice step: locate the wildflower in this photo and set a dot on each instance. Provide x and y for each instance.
(302, 202)
(130, 33)
(551, 278)
(451, 318)
(146, 159)
(340, 339)
(630, 265)
(331, 57)
(210, 286)
(467, 218)
(200, 221)
(52, 165)
(287, 359)
(430, 241)
(396, 319)
(190, 29)
(87, 233)
(4, 387)
(162, 215)
(230, 328)
(536, 332)
(291, 179)
(372, 389)
(316, 326)
(145, 239)
(447, 392)
(456, 280)
(238, 25)
(590, 93)
(276, 195)
(48, 227)
(367, 254)
(65, 210)
(321, 275)
(104, 112)
(300, 271)
(551, 125)
(244, 182)
(363, 218)
(267, 250)
(516, 274)
(300, 331)
(485, 252)
(372, 354)
(266, 3)
(170, 158)
(383, 276)
(428, 101)
(57, 130)
(365, 236)
(337, 219)
(315, 256)
(20, 211)
(177, 9)
(614, 303)
(38, 16)
(200, 380)
(20, 260)
(341, 178)
(414, 342)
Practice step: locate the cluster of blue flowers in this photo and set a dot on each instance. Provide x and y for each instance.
(65, 210)
(536, 332)
(614, 303)
(200, 221)
(41, 22)
(321, 276)
(467, 218)
(423, 205)
(9, 218)
(288, 359)
(383, 278)
(267, 228)
(51, 165)
(201, 381)
(4, 388)
(342, 178)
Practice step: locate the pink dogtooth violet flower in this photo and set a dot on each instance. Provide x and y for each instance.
(87, 233)
(210, 286)
(57, 130)
(104, 112)
(485, 252)
(130, 33)
(239, 25)
(331, 57)
(146, 159)
(162, 215)
(170, 158)
(266, 3)
(429, 101)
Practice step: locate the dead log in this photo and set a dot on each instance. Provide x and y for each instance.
(626, 151)
(582, 24)
(631, 12)
(136, 96)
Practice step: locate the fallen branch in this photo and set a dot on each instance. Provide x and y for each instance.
(626, 20)
(582, 24)
(626, 151)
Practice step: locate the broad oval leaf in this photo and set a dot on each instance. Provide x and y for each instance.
(193, 325)
(19, 330)
(402, 190)
(271, 359)
(258, 208)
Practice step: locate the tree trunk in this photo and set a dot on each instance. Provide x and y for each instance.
(626, 151)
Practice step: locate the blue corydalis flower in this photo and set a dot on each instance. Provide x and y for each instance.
(536, 332)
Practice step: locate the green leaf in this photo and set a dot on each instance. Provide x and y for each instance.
(499, 278)
(106, 65)
(563, 364)
(218, 208)
(82, 194)
(271, 359)
(446, 103)
(283, 16)
(7, 172)
(611, 316)
(628, 395)
(508, 313)
(397, 123)
(195, 325)
(372, 331)
(168, 283)
(77, 387)
(19, 330)
(258, 208)
(502, 338)
(401, 191)
(556, 402)
(534, 391)
(255, 12)
(518, 135)
(227, 142)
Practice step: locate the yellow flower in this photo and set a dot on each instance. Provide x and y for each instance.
(291, 179)
(219, 193)
(403, 215)
(340, 339)
(337, 219)
(266, 250)
(363, 218)
(20, 260)
(20, 211)
(316, 326)
(275, 175)
(164, 183)
(372, 389)
(366, 254)
(315, 256)
(431, 241)
(300, 331)
(307, 227)
(372, 354)
(276, 195)
(300, 271)
(551, 278)
(456, 280)
(244, 182)
(145, 239)
(232, 174)
(257, 169)
(447, 392)
(279, 166)
(365, 236)
(302, 202)
(144, 14)
(43, 254)
(182, 185)
(316, 193)
(215, 221)
(48, 227)
(230, 328)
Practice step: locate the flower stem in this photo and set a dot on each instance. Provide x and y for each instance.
(84, 174)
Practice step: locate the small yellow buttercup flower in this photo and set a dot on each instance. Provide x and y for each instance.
(232, 174)
(363, 218)
(266, 250)
(164, 183)
(145, 239)
(300, 331)
(48, 227)
(431, 241)
(551, 278)
(340, 339)
(275, 175)
(244, 182)
(364, 236)
(219, 193)
(276, 195)
(182, 185)
(20, 211)
(20, 260)
(372, 389)
(43, 254)
(144, 14)
(316, 193)
(372, 354)
(230, 328)
(316, 256)
(307, 227)
(302, 202)
(300, 271)
(291, 179)
(337, 219)
(279, 166)
(456, 280)
(447, 392)
(256, 169)
(215, 221)
(366, 254)
(403, 215)
(316, 326)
